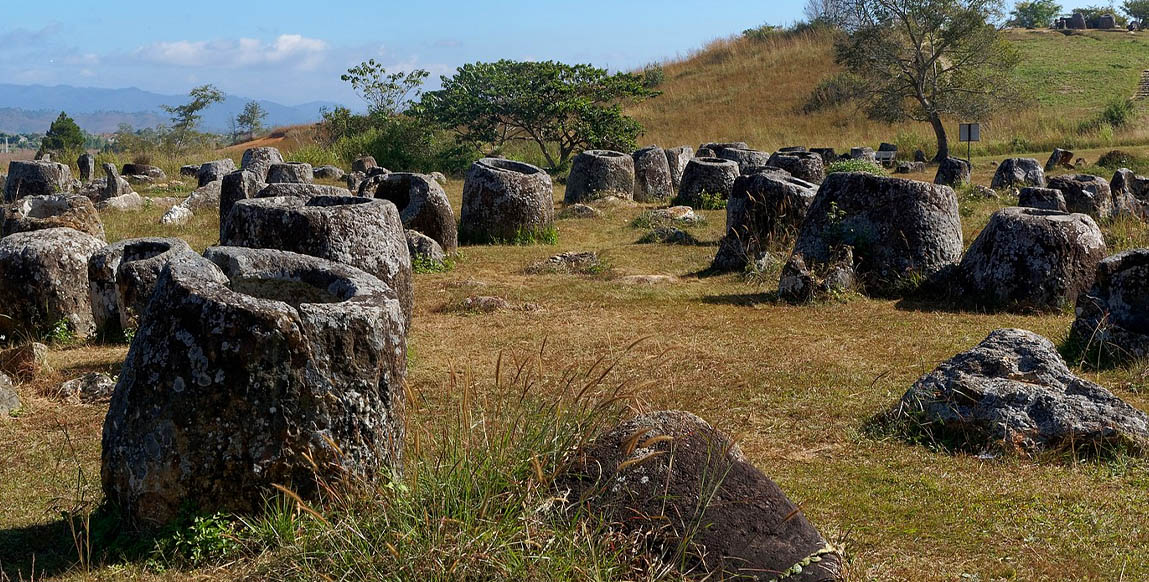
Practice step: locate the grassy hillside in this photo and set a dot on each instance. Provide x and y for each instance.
(754, 91)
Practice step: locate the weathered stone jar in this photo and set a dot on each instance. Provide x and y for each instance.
(258, 161)
(712, 176)
(361, 232)
(1113, 316)
(505, 201)
(254, 368)
(600, 173)
(422, 204)
(36, 178)
(290, 173)
(44, 281)
(653, 181)
(51, 211)
(122, 276)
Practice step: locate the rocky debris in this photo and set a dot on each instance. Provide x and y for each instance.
(677, 158)
(290, 173)
(124, 202)
(439, 178)
(114, 185)
(423, 247)
(828, 155)
(705, 153)
(490, 304)
(1029, 259)
(984, 192)
(1086, 194)
(614, 202)
(250, 369)
(711, 176)
(1059, 159)
(764, 208)
(203, 198)
(1014, 393)
(681, 214)
(87, 165)
(328, 173)
(361, 232)
(953, 172)
(122, 276)
(580, 211)
(9, 400)
(422, 204)
(52, 211)
(364, 164)
(1042, 198)
(745, 158)
(799, 283)
(866, 154)
(214, 171)
(571, 263)
(668, 235)
(1113, 316)
(716, 148)
(664, 473)
(803, 166)
(25, 361)
(189, 170)
(236, 186)
(258, 161)
(1130, 193)
(36, 178)
(653, 181)
(177, 215)
(598, 173)
(152, 173)
(91, 388)
(504, 200)
(901, 231)
(44, 281)
(910, 168)
(650, 280)
(1018, 172)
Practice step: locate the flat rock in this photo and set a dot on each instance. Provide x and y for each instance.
(91, 388)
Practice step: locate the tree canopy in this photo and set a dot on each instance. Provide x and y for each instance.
(1137, 10)
(386, 94)
(63, 134)
(928, 60)
(186, 117)
(560, 108)
(1035, 14)
(250, 120)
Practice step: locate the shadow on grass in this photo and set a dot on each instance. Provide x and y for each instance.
(744, 299)
(36, 551)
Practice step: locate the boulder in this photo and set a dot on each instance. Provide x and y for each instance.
(674, 479)
(361, 232)
(828, 155)
(364, 164)
(1106, 22)
(953, 172)
(1077, 22)
(177, 215)
(712, 176)
(677, 158)
(236, 186)
(114, 185)
(189, 170)
(705, 153)
(865, 154)
(909, 168)
(599, 173)
(122, 276)
(920, 157)
(716, 148)
(652, 179)
(1059, 159)
(87, 165)
(204, 197)
(44, 281)
(746, 159)
(901, 231)
(328, 173)
(151, 172)
(9, 400)
(1013, 393)
(354, 180)
(763, 209)
(1086, 194)
(1027, 259)
(1113, 316)
(265, 368)
(214, 171)
(36, 178)
(504, 200)
(439, 178)
(258, 161)
(1130, 193)
(1042, 198)
(1018, 172)
(91, 388)
(580, 211)
(123, 202)
(52, 211)
(803, 166)
(422, 204)
(290, 173)
(424, 248)
(799, 283)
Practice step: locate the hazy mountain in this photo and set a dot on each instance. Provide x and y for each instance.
(32, 108)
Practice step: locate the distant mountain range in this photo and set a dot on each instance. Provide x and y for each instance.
(32, 108)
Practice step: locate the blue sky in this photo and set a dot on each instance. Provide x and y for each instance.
(293, 51)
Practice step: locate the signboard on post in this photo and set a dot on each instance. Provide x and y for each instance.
(969, 133)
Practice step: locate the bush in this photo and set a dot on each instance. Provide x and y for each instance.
(863, 166)
(408, 144)
(831, 92)
(761, 33)
(316, 155)
(653, 76)
(1117, 114)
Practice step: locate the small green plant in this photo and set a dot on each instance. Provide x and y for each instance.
(128, 335)
(864, 166)
(204, 540)
(653, 76)
(60, 333)
(708, 201)
(423, 265)
(523, 236)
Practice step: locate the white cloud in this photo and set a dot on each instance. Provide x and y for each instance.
(294, 50)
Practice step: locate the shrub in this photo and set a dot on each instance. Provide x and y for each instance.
(863, 166)
(1117, 159)
(761, 33)
(1115, 115)
(831, 92)
(708, 201)
(316, 155)
(653, 76)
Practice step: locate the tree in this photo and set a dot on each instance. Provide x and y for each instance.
(386, 94)
(1036, 14)
(832, 12)
(1094, 13)
(558, 107)
(186, 117)
(250, 120)
(925, 60)
(63, 134)
(1138, 10)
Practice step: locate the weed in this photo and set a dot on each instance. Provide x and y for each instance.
(523, 236)
(60, 334)
(708, 201)
(422, 264)
(864, 166)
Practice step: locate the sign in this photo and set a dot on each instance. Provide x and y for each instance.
(969, 132)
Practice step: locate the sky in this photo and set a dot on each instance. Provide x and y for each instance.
(293, 51)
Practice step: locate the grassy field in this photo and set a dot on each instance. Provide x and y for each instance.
(797, 385)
